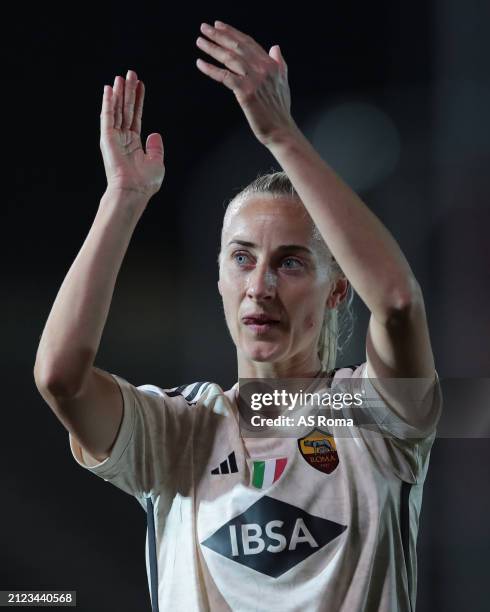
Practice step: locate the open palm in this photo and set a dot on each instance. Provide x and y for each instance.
(127, 166)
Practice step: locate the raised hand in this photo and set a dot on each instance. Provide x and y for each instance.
(258, 80)
(127, 166)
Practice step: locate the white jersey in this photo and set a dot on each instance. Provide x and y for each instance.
(324, 522)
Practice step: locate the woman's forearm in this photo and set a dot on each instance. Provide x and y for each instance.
(73, 330)
(365, 250)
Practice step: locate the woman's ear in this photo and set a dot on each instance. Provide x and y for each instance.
(219, 289)
(338, 292)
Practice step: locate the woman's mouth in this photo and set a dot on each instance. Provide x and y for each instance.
(261, 326)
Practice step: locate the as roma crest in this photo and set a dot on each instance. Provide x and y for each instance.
(319, 450)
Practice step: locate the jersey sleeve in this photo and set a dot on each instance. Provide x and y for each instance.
(387, 417)
(150, 443)
(391, 441)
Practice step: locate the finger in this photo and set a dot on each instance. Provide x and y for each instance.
(228, 37)
(118, 101)
(282, 59)
(129, 97)
(225, 56)
(229, 30)
(276, 54)
(229, 79)
(154, 146)
(138, 108)
(107, 113)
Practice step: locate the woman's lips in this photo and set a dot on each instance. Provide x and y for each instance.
(259, 327)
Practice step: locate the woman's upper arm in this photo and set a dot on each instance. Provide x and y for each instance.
(400, 362)
(93, 416)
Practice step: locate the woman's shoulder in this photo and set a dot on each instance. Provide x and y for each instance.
(190, 392)
(202, 392)
(348, 371)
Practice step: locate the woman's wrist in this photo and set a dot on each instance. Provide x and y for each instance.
(130, 200)
(285, 138)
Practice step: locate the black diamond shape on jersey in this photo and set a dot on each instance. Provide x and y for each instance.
(260, 513)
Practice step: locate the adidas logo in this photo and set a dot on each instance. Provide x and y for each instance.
(227, 466)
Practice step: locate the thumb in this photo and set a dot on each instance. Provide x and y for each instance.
(276, 54)
(154, 146)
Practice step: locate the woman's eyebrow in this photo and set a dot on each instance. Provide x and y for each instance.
(283, 247)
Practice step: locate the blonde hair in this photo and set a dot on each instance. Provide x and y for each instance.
(338, 323)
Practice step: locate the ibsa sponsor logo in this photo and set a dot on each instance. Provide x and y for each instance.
(272, 536)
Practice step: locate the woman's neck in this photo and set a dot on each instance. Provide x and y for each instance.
(309, 368)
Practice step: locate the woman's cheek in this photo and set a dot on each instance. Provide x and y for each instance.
(310, 321)
(234, 280)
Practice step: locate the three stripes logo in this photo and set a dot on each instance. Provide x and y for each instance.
(228, 466)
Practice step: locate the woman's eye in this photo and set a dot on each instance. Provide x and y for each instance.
(237, 255)
(241, 258)
(294, 260)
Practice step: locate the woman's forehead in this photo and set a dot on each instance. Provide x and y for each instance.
(288, 218)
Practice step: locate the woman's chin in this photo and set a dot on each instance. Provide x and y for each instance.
(262, 353)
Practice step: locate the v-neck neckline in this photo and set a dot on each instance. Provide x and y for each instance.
(280, 445)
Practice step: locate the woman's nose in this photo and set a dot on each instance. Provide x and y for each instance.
(261, 283)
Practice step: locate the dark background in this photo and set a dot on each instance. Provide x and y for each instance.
(396, 97)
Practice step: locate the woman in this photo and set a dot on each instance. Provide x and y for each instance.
(327, 520)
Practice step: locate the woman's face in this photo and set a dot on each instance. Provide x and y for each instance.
(272, 263)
